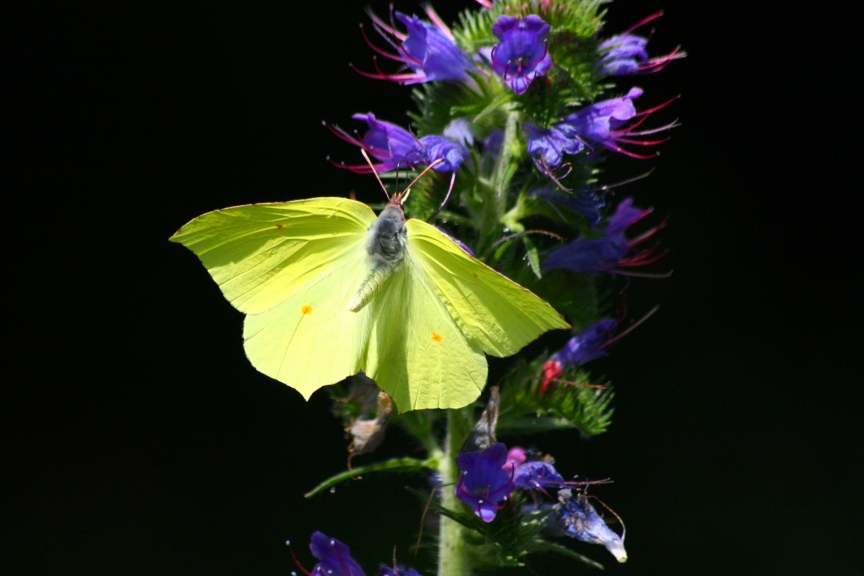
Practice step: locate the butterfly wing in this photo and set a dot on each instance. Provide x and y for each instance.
(494, 313)
(259, 254)
(417, 353)
(293, 268)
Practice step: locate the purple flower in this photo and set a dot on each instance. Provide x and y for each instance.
(537, 475)
(440, 147)
(548, 145)
(625, 54)
(521, 55)
(604, 123)
(460, 130)
(399, 571)
(428, 50)
(581, 521)
(585, 204)
(396, 148)
(581, 348)
(333, 556)
(483, 483)
(608, 253)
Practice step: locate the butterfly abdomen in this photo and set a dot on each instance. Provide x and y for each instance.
(386, 240)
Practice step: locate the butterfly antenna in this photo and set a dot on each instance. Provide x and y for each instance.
(375, 172)
(447, 197)
(407, 190)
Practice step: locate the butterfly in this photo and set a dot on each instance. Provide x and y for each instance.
(330, 290)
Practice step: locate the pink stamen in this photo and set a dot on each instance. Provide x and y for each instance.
(297, 562)
(628, 181)
(381, 75)
(630, 328)
(629, 129)
(642, 259)
(390, 29)
(660, 62)
(631, 154)
(438, 22)
(658, 107)
(339, 132)
(649, 234)
(641, 142)
(643, 22)
(379, 50)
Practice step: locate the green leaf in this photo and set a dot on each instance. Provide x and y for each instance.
(571, 402)
(564, 551)
(394, 465)
(532, 255)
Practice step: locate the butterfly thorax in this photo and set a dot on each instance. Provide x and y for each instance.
(386, 241)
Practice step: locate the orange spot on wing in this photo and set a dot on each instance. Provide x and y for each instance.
(306, 309)
(437, 337)
(279, 226)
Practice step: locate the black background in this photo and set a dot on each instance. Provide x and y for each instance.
(137, 439)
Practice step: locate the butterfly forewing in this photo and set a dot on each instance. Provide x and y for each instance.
(259, 254)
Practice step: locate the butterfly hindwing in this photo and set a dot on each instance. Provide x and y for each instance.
(417, 353)
(312, 339)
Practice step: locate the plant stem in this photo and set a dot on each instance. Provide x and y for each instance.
(495, 198)
(452, 555)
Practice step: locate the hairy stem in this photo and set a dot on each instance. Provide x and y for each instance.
(495, 200)
(452, 555)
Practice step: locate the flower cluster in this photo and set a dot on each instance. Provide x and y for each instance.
(490, 476)
(334, 559)
(520, 55)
